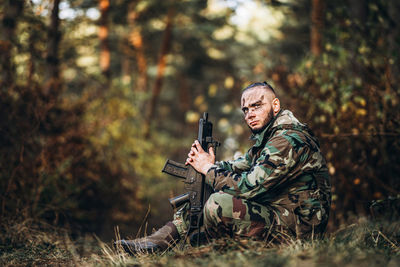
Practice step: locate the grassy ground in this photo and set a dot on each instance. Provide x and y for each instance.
(361, 244)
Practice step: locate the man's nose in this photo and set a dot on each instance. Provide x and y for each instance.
(250, 114)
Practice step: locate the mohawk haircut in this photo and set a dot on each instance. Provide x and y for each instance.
(259, 84)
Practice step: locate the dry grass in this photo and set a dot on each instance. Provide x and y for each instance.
(364, 243)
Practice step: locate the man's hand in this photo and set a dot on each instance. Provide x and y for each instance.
(199, 159)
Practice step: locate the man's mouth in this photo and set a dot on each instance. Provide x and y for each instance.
(253, 123)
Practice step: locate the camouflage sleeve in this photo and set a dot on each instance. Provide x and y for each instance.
(283, 157)
(238, 166)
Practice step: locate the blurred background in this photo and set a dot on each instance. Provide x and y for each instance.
(96, 95)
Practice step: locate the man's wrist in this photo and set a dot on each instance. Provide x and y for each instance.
(206, 168)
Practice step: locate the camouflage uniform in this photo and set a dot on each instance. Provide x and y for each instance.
(280, 186)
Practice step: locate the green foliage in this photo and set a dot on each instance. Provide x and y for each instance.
(52, 170)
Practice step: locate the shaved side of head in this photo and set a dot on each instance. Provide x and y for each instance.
(270, 92)
(263, 85)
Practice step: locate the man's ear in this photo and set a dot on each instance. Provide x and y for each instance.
(276, 105)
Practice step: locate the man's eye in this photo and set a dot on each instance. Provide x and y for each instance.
(258, 106)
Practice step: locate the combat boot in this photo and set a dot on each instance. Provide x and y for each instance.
(166, 237)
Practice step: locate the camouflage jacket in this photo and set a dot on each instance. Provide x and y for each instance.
(284, 170)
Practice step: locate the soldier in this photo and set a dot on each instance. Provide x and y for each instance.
(279, 189)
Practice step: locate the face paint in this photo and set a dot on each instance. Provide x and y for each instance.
(258, 111)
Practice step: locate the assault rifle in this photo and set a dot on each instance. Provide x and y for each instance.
(197, 190)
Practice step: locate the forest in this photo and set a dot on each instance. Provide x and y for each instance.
(95, 96)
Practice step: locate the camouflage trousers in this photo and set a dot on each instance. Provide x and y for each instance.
(226, 215)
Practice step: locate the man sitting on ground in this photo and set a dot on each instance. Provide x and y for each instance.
(280, 188)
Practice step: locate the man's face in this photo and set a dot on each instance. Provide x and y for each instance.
(257, 108)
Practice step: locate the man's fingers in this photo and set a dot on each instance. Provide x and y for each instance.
(193, 151)
(211, 151)
(194, 144)
(198, 146)
(188, 161)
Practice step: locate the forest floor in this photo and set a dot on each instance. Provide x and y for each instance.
(361, 244)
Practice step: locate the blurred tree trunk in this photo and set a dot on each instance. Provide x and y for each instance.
(317, 26)
(13, 9)
(52, 60)
(165, 47)
(105, 54)
(135, 38)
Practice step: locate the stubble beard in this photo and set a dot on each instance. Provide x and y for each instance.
(266, 122)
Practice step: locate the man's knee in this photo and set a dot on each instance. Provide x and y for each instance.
(227, 214)
(218, 200)
(215, 211)
(217, 206)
